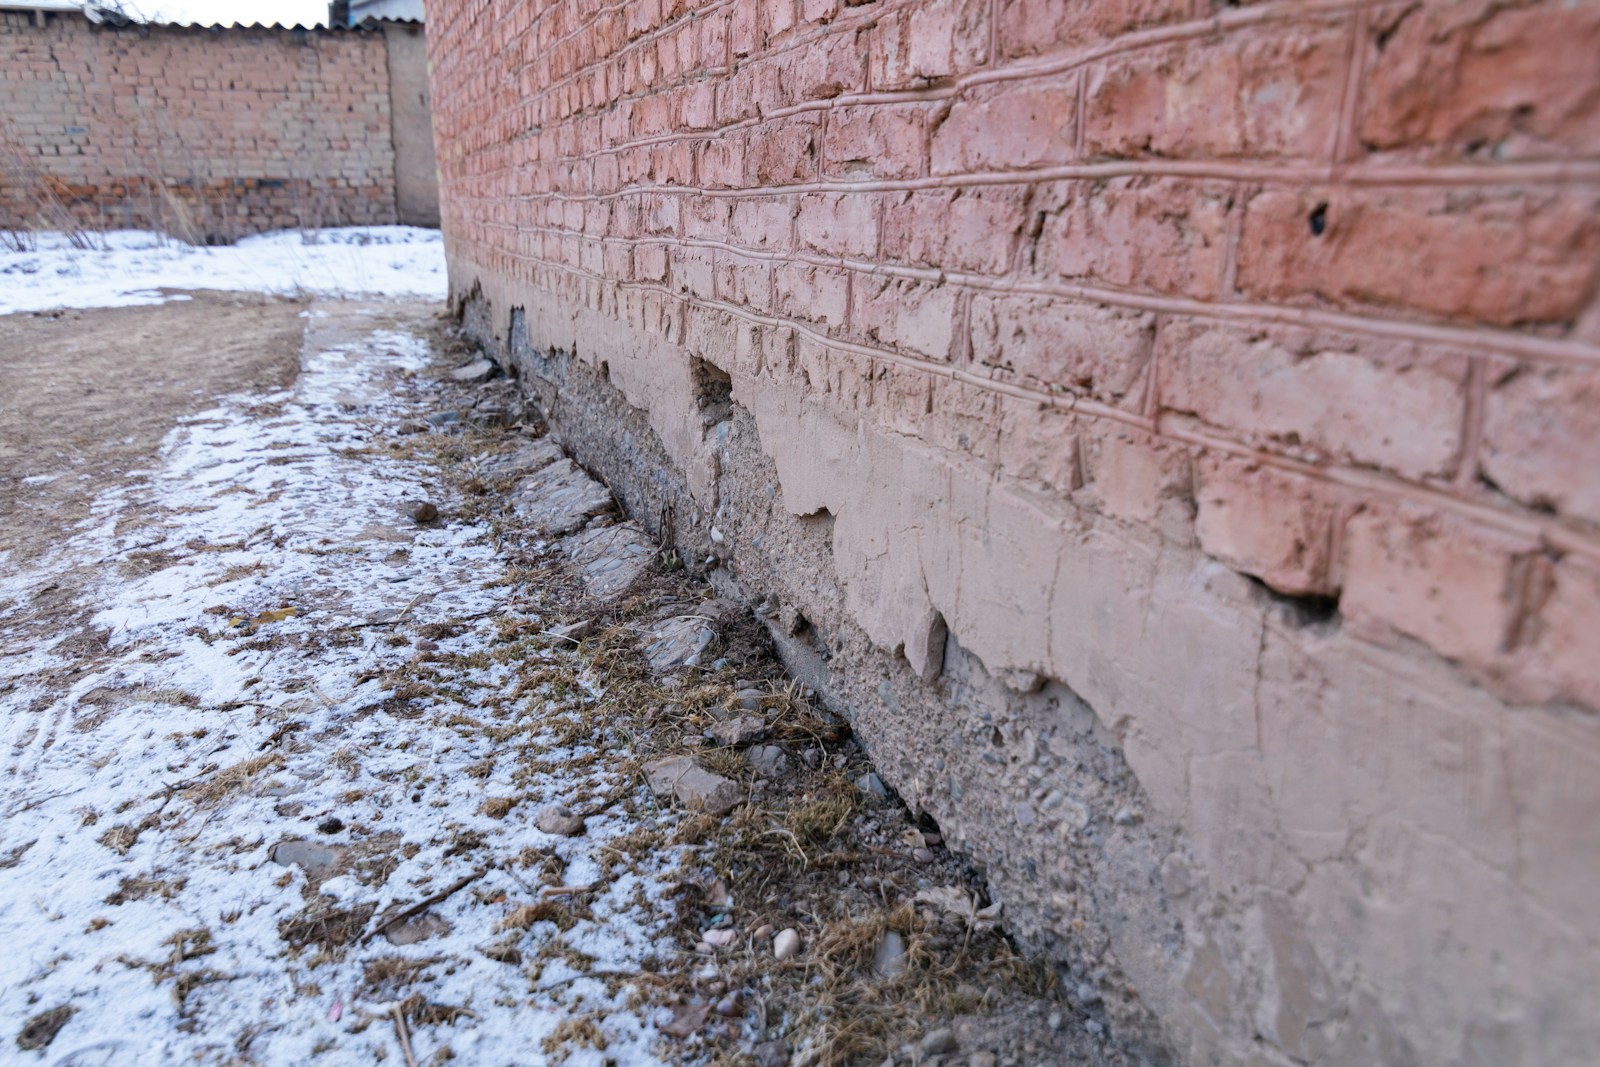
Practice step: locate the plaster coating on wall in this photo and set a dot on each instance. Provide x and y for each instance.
(1164, 429)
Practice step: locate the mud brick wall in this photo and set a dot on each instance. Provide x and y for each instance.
(209, 134)
(1168, 429)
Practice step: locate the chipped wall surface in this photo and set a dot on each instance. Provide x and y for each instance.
(210, 134)
(1165, 428)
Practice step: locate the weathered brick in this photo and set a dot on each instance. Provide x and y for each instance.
(1504, 257)
(938, 39)
(763, 222)
(1437, 578)
(1007, 128)
(962, 229)
(1265, 93)
(875, 142)
(783, 152)
(1541, 438)
(1558, 661)
(913, 317)
(1027, 27)
(819, 296)
(840, 224)
(1132, 474)
(1318, 394)
(835, 65)
(1161, 235)
(1272, 524)
(1478, 78)
(1064, 349)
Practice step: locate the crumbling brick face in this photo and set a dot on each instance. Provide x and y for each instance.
(208, 134)
(1309, 287)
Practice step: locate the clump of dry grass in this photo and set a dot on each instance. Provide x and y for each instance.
(222, 786)
(498, 807)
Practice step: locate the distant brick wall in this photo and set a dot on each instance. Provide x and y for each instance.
(1035, 298)
(204, 132)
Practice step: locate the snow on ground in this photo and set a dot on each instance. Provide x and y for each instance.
(128, 267)
(265, 597)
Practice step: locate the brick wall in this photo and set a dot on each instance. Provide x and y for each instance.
(1235, 366)
(209, 133)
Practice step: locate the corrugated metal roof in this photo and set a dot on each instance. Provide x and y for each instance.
(41, 5)
(368, 24)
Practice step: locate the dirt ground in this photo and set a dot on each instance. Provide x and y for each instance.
(88, 395)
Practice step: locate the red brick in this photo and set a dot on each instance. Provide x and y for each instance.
(763, 222)
(1161, 235)
(1541, 438)
(779, 16)
(913, 317)
(1259, 94)
(875, 142)
(1557, 659)
(1271, 524)
(816, 295)
(839, 224)
(1133, 474)
(1318, 395)
(1437, 578)
(1027, 27)
(745, 282)
(1483, 79)
(936, 39)
(833, 66)
(1504, 257)
(963, 229)
(783, 152)
(1063, 349)
(1007, 128)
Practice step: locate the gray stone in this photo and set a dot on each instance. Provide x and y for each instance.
(938, 1042)
(678, 642)
(770, 761)
(870, 783)
(478, 370)
(612, 559)
(487, 417)
(529, 457)
(573, 631)
(890, 959)
(444, 418)
(559, 820)
(749, 699)
(559, 499)
(415, 929)
(316, 860)
(770, 1054)
(692, 785)
(739, 732)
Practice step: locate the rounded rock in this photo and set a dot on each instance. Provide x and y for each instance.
(787, 944)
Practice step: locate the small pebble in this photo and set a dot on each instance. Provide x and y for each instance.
(922, 855)
(939, 1042)
(763, 931)
(731, 1006)
(720, 938)
(331, 825)
(786, 944)
(425, 512)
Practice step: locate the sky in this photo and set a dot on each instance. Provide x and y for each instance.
(288, 12)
